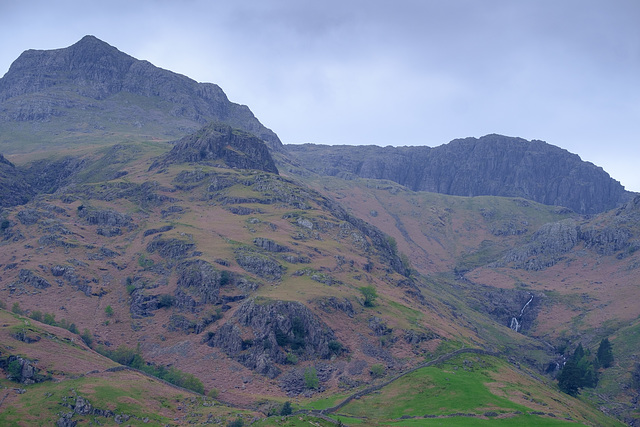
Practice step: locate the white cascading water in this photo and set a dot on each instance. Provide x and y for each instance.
(516, 322)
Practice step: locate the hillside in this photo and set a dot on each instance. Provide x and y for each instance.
(493, 165)
(223, 257)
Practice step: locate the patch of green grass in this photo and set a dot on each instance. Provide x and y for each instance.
(516, 421)
(442, 390)
(326, 402)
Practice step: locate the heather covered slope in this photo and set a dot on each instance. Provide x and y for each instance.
(566, 278)
(60, 378)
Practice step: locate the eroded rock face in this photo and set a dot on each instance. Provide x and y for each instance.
(30, 278)
(553, 241)
(14, 189)
(492, 165)
(259, 264)
(201, 280)
(275, 328)
(218, 143)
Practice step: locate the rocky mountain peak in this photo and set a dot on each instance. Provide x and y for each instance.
(98, 71)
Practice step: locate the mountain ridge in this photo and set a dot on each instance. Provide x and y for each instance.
(491, 165)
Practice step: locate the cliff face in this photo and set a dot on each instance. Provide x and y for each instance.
(42, 85)
(14, 189)
(492, 165)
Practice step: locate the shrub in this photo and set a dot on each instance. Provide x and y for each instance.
(369, 293)
(377, 370)
(16, 308)
(49, 319)
(166, 300)
(311, 378)
(236, 423)
(73, 328)
(286, 409)
(214, 393)
(292, 359)
(335, 347)
(108, 310)
(14, 369)
(87, 337)
(36, 315)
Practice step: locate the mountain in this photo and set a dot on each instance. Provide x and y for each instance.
(92, 91)
(492, 165)
(217, 261)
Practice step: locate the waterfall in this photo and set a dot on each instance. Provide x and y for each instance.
(516, 322)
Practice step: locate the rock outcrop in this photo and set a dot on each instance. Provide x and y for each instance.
(219, 144)
(610, 234)
(493, 165)
(14, 188)
(273, 328)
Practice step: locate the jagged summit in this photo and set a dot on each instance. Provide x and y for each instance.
(93, 82)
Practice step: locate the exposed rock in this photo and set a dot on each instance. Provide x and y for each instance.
(379, 327)
(330, 304)
(173, 249)
(14, 188)
(47, 175)
(259, 264)
(30, 278)
(25, 373)
(218, 143)
(201, 280)
(414, 337)
(105, 217)
(547, 245)
(28, 216)
(605, 241)
(142, 305)
(269, 245)
(274, 326)
(492, 165)
(82, 406)
(162, 229)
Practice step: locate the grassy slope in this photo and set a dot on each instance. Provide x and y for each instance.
(76, 370)
(489, 388)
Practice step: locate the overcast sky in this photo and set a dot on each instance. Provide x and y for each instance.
(395, 72)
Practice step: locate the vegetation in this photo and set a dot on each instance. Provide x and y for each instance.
(108, 310)
(370, 295)
(604, 357)
(578, 372)
(311, 380)
(133, 358)
(16, 308)
(377, 370)
(286, 409)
